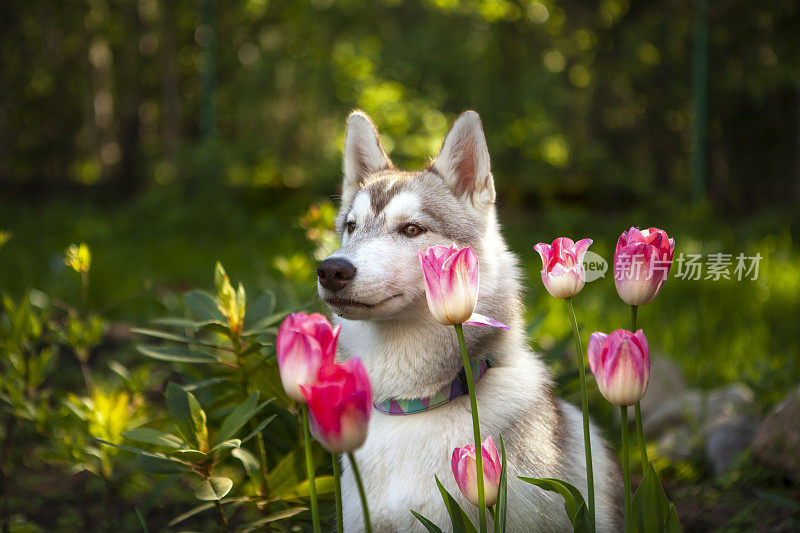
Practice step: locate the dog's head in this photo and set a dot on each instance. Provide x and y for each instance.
(388, 216)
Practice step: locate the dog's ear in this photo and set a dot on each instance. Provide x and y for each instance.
(464, 161)
(363, 154)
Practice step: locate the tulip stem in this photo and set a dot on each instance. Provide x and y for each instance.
(637, 408)
(361, 493)
(626, 469)
(337, 489)
(587, 441)
(312, 489)
(476, 427)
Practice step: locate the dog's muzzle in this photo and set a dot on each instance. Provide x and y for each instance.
(335, 273)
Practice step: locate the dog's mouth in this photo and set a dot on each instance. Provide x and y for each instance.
(346, 302)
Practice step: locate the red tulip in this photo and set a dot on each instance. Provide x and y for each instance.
(642, 260)
(562, 266)
(620, 363)
(339, 404)
(304, 344)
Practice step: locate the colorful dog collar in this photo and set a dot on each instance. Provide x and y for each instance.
(457, 387)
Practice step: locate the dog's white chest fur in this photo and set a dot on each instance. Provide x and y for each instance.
(542, 439)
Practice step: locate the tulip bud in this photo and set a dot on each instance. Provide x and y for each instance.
(642, 260)
(340, 404)
(562, 266)
(304, 344)
(451, 286)
(620, 363)
(464, 470)
(451, 282)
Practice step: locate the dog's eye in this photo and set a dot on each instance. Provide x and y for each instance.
(412, 230)
(350, 226)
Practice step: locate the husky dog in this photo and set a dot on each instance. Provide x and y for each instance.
(373, 284)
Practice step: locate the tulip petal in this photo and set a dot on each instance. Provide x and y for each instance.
(635, 236)
(477, 319)
(580, 249)
(340, 404)
(544, 253)
(597, 345)
(451, 282)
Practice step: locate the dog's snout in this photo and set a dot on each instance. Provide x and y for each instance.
(334, 273)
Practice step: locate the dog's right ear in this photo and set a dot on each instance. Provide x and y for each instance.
(363, 154)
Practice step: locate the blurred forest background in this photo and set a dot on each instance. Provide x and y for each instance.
(170, 134)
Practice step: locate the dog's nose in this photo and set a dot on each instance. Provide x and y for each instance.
(334, 273)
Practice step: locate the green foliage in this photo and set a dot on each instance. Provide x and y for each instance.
(459, 520)
(652, 510)
(220, 329)
(573, 500)
(27, 357)
(502, 493)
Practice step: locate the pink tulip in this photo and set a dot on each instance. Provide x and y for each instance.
(620, 363)
(451, 286)
(339, 404)
(304, 344)
(464, 470)
(642, 261)
(562, 266)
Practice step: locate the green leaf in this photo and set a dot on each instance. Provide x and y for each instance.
(323, 484)
(650, 504)
(153, 436)
(176, 355)
(572, 496)
(188, 416)
(203, 383)
(249, 461)
(214, 488)
(154, 462)
(131, 449)
(141, 520)
(191, 456)
(673, 524)
(266, 326)
(582, 523)
(202, 507)
(158, 334)
(232, 443)
(460, 520)
(288, 472)
(502, 493)
(203, 306)
(194, 325)
(170, 336)
(258, 312)
(161, 465)
(190, 513)
(282, 515)
(240, 416)
(430, 526)
(264, 423)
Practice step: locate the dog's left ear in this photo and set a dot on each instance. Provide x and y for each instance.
(464, 161)
(363, 154)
